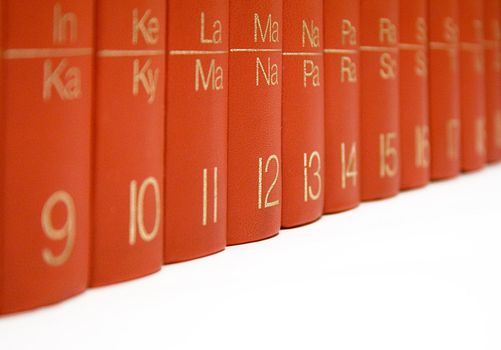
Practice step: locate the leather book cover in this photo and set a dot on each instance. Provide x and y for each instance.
(472, 85)
(342, 99)
(492, 51)
(379, 99)
(414, 125)
(127, 227)
(196, 129)
(443, 88)
(302, 113)
(45, 151)
(254, 120)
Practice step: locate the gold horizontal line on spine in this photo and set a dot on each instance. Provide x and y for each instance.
(196, 52)
(440, 45)
(341, 51)
(11, 54)
(129, 53)
(255, 50)
(368, 48)
(302, 53)
(409, 46)
(470, 46)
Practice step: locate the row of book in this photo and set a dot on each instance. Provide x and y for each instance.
(135, 133)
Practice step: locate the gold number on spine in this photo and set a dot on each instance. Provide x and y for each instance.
(422, 159)
(453, 135)
(388, 155)
(497, 128)
(205, 190)
(267, 204)
(67, 231)
(480, 136)
(349, 168)
(136, 221)
(308, 163)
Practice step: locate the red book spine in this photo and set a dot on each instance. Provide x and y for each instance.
(492, 32)
(379, 99)
(443, 87)
(414, 128)
(46, 119)
(254, 127)
(472, 85)
(128, 140)
(342, 98)
(196, 139)
(302, 113)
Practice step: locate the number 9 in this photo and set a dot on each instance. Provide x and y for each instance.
(67, 231)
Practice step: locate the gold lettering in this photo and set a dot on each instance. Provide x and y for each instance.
(309, 194)
(311, 71)
(270, 31)
(453, 138)
(136, 220)
(147, 26)
(421, 66)
(216, 37)
(205, 201)
(349, 169)
(270, 74)
(497, 128)
(422, 152)
(480, 136)
(388, 66)
(348, 32)
(147, 77)
(67, 231)
(387, 31)
(65, 80)
(212, 80)
(388, 155)
(63, 22)
(348, 70)
(267, 203)
(421, 30)
(451, 30)
(312, 33)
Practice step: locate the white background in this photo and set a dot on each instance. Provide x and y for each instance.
(419, 271)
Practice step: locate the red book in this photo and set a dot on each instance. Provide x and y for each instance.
(443, 75)
(379, 99)
(196, 139)
(302, 113)
(128, 140)
(492, 32)
(44, 151)
(414, 128)
(472, 85)
(254, 127)
(342, 114)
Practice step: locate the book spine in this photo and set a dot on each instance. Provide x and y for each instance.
(196, 139)
(342, 98)
(472, 85)
(443, 85)
(414, 125)
(492, 32)
(379, 99)
(302, 113)
(2, 155)
(254, 126)
(127, 240)
(46, 167)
